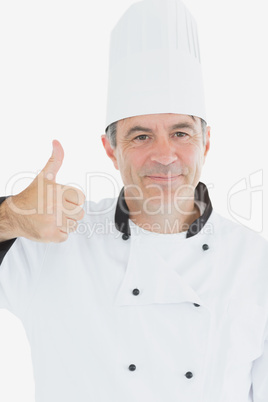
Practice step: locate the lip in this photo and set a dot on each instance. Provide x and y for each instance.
(164, 178)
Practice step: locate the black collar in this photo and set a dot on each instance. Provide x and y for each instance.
(201, 194)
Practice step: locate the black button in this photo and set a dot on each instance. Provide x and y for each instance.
(132, 367)
(196, 305)
(125, 236)
(136, 292)
(205, 247)
(189, 374)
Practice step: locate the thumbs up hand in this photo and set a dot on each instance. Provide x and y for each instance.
(46, 211)
(55, 161)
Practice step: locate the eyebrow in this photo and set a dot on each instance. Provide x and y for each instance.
(148, 130)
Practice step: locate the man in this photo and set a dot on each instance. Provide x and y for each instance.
(166, 300)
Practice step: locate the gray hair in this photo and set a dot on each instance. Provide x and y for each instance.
(112, 128)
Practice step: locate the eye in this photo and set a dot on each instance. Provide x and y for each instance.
(180, 134)
(141, 137)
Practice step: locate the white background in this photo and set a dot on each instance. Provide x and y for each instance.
(53, 82)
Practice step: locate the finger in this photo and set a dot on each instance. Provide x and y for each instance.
(78, 216)
(73, 195)
(69, 226)
(72, 211)
(59, 237)
(55, 161)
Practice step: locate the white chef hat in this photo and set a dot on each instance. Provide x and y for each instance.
(154, 64)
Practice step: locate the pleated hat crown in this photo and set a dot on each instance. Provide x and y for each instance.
(154, 62)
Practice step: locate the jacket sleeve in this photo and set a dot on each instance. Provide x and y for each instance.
(20, 266)
(20, 273)
(260, 374)
(5, 245)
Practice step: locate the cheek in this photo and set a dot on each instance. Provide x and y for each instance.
(197, 151)
(130, 163)
(192, 158)
(188, 155)
(133, 160)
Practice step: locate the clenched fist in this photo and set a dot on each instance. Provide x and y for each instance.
(45, 211)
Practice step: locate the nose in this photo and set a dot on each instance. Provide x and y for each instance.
(163, 152)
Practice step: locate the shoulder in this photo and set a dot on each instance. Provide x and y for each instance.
(226, 226)
(235, 237)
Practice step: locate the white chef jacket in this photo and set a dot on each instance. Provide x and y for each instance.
(150, 317)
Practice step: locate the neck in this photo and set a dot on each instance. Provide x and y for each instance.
(169, 220)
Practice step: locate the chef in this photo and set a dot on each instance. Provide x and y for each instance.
(165, 300)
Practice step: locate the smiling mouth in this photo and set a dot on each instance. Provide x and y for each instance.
(164, 178)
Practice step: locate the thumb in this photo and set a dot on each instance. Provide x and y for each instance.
(55, 161)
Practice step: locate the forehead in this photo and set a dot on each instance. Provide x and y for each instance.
(154, 121)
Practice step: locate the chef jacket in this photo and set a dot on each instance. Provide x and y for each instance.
(120, 314)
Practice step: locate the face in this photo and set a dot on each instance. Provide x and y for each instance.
(160, 156)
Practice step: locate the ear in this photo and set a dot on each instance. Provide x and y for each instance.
(207, 146)
(109, 150)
